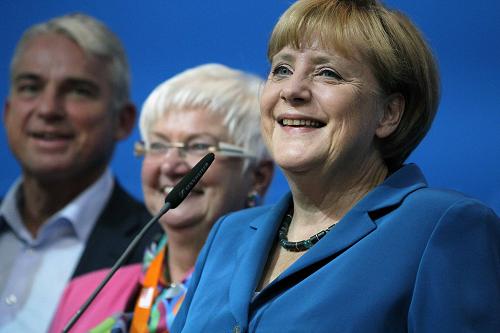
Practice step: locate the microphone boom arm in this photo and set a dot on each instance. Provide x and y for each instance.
(173, 199)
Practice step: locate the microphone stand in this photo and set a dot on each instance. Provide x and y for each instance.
(173, 199)
(115, 267)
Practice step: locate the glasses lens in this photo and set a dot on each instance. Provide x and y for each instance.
(158, 148)
(200, 146)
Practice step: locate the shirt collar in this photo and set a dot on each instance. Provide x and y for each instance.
(85, 209)
(82, 212)
(11, 218)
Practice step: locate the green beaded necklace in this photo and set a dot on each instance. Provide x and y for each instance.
(301, 245)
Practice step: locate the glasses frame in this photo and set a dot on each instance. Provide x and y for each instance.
(221, 148)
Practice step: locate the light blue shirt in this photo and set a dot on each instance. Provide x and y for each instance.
(34, 271)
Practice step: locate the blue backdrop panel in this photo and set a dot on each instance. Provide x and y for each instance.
(163, 37)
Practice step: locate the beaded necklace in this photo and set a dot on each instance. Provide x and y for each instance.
(301, 245)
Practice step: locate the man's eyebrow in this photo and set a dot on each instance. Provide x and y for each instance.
(69, 80)
(81, 81)
(26, 76)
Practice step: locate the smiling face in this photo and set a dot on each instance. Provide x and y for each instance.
(58, 118)
(321, 112)
(222, 189)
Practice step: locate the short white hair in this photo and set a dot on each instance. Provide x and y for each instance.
(216, 88)
(95, 39)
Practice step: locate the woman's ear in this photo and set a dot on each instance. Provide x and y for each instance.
(394, 107)
(262, 176)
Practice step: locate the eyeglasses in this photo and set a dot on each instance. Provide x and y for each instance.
(195, 147)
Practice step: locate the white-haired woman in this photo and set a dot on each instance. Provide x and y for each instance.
(209, 108)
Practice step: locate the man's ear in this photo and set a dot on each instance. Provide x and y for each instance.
(6, 110)
(126, 121)
(262, 176)
(394, 107)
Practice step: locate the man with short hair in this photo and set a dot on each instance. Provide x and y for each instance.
(66, 215)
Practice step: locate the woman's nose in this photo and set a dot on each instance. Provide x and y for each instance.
(174, 164)
(296, 90)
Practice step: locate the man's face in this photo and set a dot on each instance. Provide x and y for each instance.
(58, 116)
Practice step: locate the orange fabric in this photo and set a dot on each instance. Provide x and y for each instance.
(148, 293)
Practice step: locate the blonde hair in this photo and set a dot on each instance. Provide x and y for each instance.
(394, 48)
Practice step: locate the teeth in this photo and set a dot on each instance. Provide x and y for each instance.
(45, 136)
(48, 136)
(167, 189)
(301, 122)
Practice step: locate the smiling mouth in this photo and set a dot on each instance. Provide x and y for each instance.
(166, 190)
(50, 136)
(301, 123)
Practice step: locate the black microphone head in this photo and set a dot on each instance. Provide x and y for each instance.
(182, 188)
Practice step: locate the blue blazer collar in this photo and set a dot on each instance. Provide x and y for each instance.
(353, 227)
(252, 258)
(393, 190)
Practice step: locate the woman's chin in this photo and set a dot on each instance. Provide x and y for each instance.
(296, 163)
(180, 218)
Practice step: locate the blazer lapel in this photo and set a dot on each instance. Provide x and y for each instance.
(351, 229)
(360, 221)
(252, 259)
(119, 222)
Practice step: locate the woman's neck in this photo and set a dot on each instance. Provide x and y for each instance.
(325, 199)
(183, 250)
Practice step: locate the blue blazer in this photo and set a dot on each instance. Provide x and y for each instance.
(406, 258)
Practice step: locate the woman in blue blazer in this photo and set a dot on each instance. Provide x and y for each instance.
(361, 244)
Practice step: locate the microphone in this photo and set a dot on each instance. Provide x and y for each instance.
(173, 199)
(182, 189)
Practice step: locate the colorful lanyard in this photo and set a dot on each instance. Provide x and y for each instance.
(148, 295)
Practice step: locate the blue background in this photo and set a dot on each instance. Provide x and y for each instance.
(163, 37)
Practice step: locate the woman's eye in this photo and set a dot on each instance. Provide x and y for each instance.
(157, 147)
(281, 71)
(199, 146)
(330, 73)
